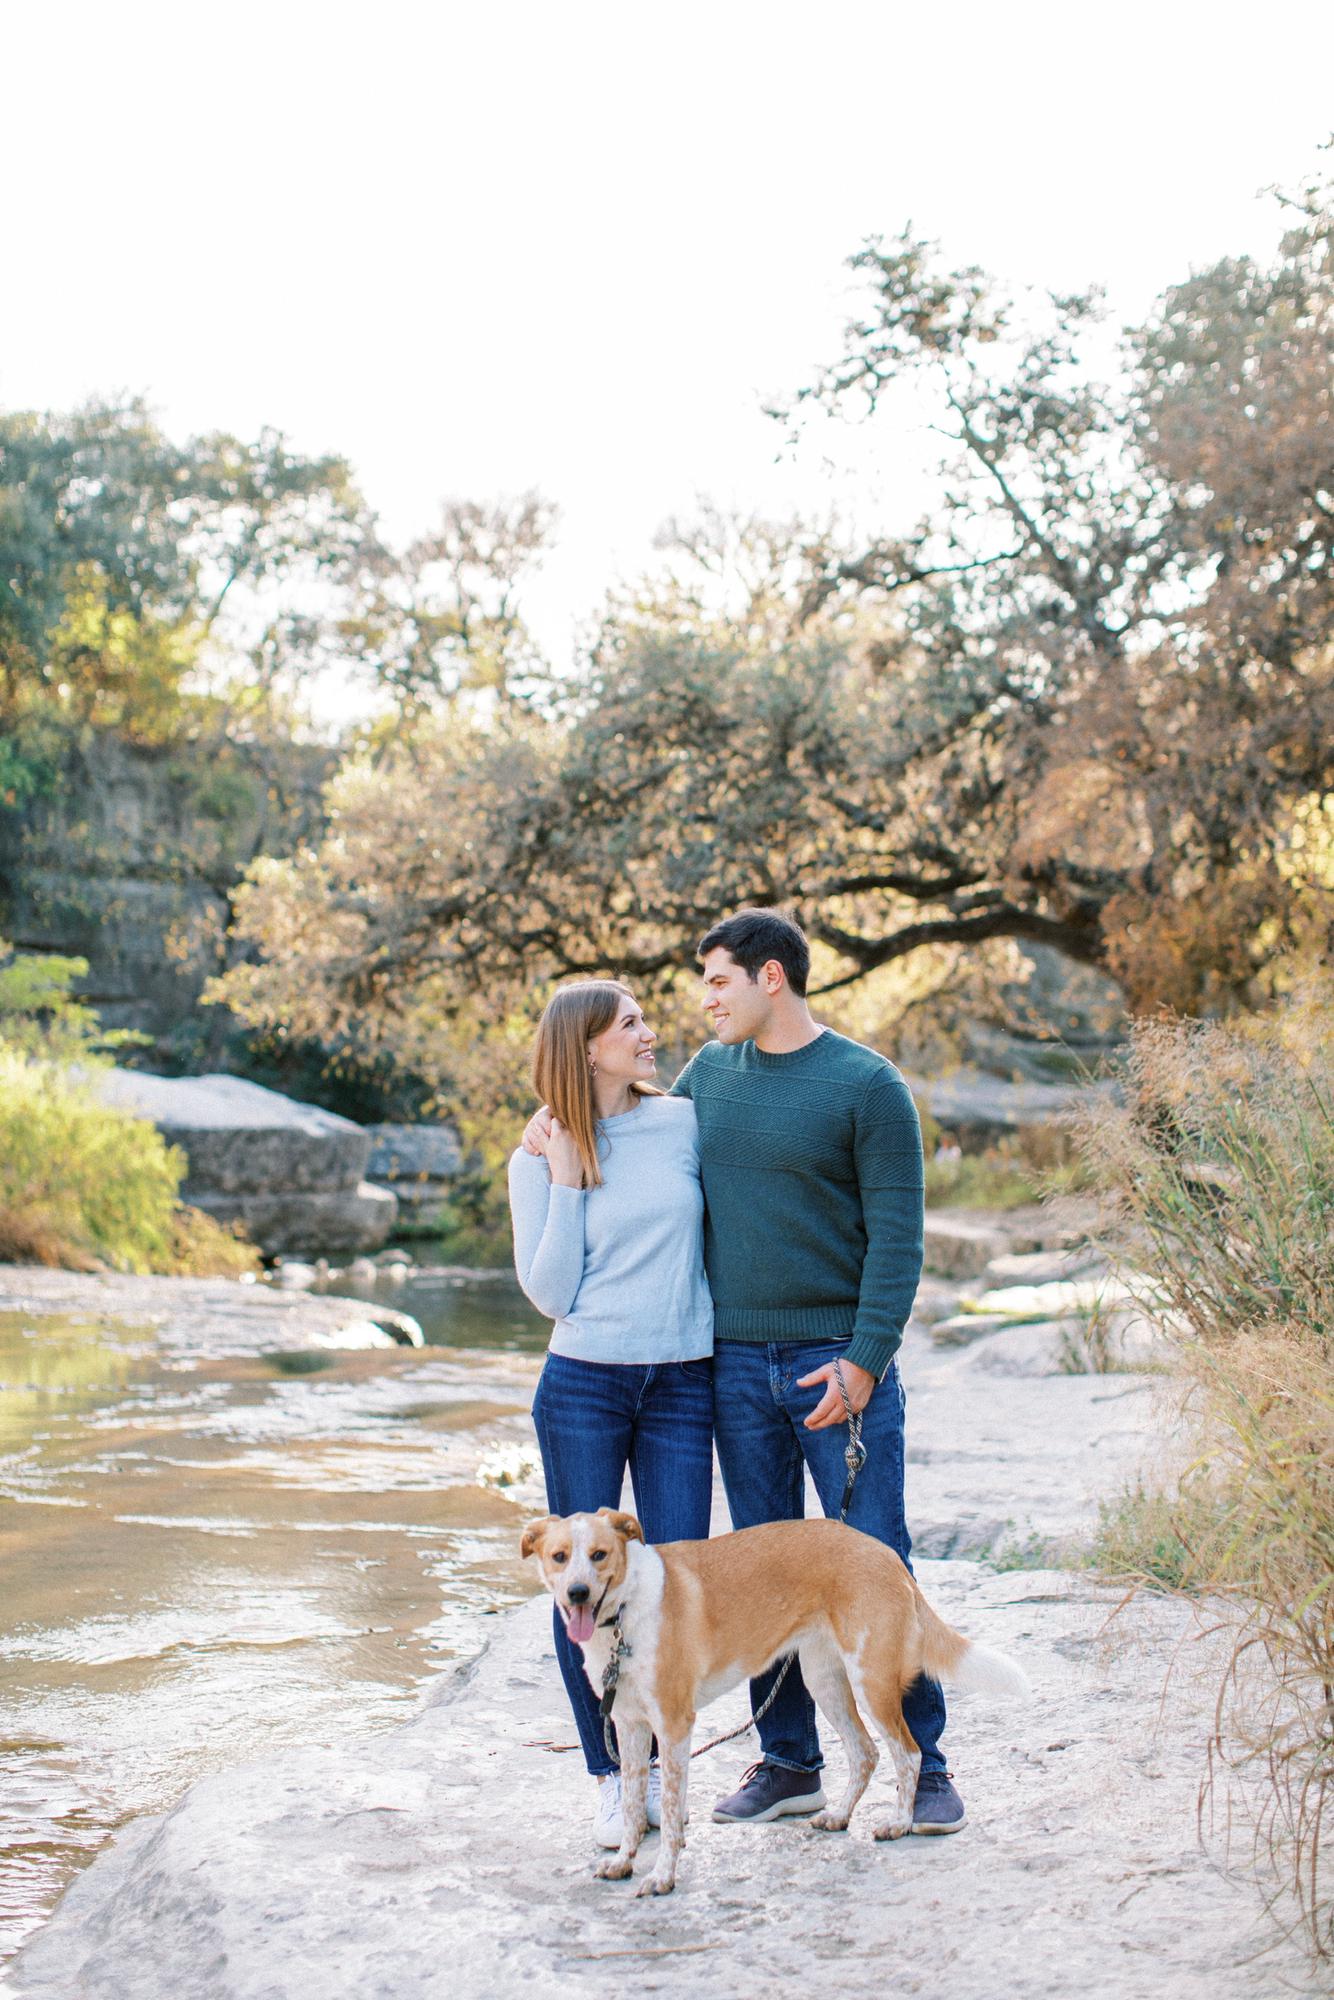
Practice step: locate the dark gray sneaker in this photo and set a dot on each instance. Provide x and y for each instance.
(937, 1807)
(767, 1791)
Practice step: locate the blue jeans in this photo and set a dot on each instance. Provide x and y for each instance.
(593, 1419)
(763, 1450)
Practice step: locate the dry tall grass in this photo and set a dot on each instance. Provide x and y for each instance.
(1218, 1177)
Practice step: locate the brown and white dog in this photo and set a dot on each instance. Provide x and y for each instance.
(699, 1617)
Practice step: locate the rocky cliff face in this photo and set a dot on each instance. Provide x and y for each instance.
(131, 862)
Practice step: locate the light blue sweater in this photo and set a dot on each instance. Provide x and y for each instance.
(620, 1268)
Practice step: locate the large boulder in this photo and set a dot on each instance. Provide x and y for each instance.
(978, 1106)
(959, 1246)
(966, 1243)
(414, 1152)
(328, 1222)
(292, 1173)
(240, 1138)
(418, 1162)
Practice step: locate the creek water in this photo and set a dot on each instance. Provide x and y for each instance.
(206, 1559)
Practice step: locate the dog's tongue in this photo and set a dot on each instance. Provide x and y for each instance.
(580, 1627)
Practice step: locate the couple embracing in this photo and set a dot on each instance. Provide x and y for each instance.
(707, 1256)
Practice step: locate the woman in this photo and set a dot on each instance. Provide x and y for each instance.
(609, 1243)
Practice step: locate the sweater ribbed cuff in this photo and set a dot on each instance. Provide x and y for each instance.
(873, 1352)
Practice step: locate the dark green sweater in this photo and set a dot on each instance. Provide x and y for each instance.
(812, 1167)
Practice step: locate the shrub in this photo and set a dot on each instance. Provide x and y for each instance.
(83, 1186)
(1012, 1171)
(41, 1014)
(76, 1175)
(200, 1247)
(1218, 1174)
(1165, 1541)
(993, 1179)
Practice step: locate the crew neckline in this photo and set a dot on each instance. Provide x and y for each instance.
(617, 1117)
(781, 1058)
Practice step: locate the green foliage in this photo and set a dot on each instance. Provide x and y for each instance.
(32, 749)
(85, 1186)
(473, 1226)
(41, 1016)
(1011, 1172)
(995, 1179)
(1033, 1551)
(200, 1247)
(1161, 1540)
(81, 1184)
(1220, 1166)
(222, 792)
(123, 553)
(81, 1180)
(441, 619)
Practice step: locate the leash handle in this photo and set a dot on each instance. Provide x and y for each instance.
(854, 1453)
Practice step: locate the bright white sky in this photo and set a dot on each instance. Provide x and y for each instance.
(477, 248)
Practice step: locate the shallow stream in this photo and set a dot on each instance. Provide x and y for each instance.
(204, 1559)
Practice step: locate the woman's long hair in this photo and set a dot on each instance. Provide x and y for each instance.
(574, 1016)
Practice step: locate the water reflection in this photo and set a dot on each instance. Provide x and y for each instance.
(479, 1310)
(204, 1560)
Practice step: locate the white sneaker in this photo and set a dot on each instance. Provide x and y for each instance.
(653, 1802)
(608, 1825)
(609, 1821)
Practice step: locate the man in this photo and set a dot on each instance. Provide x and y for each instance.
(811, 1158)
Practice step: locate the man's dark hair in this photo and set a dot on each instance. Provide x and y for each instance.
(753, 937)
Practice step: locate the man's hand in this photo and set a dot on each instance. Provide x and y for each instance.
(829, 1411)
(537, 1131)
(563, 1157)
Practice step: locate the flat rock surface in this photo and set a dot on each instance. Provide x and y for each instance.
(217, 1103)
(195, 1318)
(452, 1856)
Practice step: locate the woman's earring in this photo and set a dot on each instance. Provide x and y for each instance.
(592, 1065)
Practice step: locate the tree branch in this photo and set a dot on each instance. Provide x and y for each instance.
(1082, 942)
